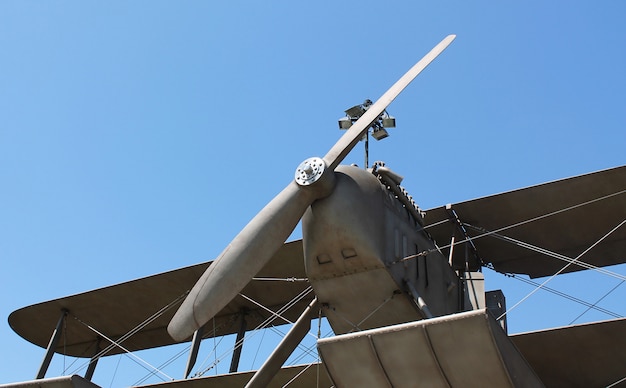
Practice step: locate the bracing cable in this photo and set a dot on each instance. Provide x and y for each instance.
(561, 270)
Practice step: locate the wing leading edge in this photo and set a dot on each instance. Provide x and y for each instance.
(116, 310)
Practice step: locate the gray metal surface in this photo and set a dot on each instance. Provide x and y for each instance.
(460, 350)
(117, 309)
(354, 243)
(568, 233)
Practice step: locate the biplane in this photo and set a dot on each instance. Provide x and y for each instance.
(401, 287)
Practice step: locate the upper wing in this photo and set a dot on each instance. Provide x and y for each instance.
(565, 217)
(116, 310)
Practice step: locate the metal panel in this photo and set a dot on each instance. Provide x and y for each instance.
(461, 350)
(353, 363)
(420, 365)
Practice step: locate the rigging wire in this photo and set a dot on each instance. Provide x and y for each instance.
(162, 366)
(319, 334)
(213, 334)
(256, 354)
(273, 315)
(278, 315)
(133, 356)
(213, 352)
(308, 365)
(562, 294)
(214, 344)
(543, 215)
(76, 359)
(186, 350)
(65, 346)
(617, 382)
(372, 313)
(318, 363)
(129, 334)
(289, 279)
(294, 378)
(594, 305)
(511, 226)
(305, 350)
(219, 358)
(553, 254)
(119, 360)
(310, 350)
(265, 323)
(547, 252)
(561, 270)
(569, 261)
(355, 326)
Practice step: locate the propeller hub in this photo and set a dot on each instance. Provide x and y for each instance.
(310, 171)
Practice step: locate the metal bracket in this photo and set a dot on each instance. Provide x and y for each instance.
(472, 261)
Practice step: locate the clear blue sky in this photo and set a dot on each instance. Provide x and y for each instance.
(138, 137)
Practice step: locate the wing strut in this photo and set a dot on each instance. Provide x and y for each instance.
(472, 263)
(54, 340)
(193, 353)
(278, 357)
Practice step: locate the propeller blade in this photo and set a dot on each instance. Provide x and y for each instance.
(255, 245)
(345, 144)
(243, 258)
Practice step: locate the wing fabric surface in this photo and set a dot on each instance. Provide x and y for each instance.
(118, 309)
(565, 217)
(588, 355)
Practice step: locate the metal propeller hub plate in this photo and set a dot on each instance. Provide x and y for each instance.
(310, 171)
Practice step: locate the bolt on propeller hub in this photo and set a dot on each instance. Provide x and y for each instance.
(310, 171)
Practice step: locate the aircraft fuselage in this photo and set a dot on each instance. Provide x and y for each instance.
(354, 243)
